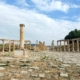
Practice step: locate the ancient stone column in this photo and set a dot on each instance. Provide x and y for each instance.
(9, 46)
(68, 46)
(72, 45)
(52, 45)
(43, 46)
(30, 45)
(36, 43)
(57, 45)
(2, 45)
(18, 44)
(22, 36)
(77, 45)
(64, 45)
(13, 46)
(60, 45)
(26, 45)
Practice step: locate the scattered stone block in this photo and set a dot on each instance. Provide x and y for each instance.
(23, 72)
(3, 64)
(63, 74)
(1, 74)
(77, 64)
(47, 71)
(36, 68)
(30, 70)
(20, 53)
(2, 68)
(65, 65)
(34, 75)
(42, 75)
(14, 79)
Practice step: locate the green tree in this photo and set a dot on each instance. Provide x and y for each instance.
(73, 34)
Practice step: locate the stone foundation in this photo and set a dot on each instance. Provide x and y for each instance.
(20, 54)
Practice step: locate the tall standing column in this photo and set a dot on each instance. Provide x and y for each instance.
(72, 45)
(22, 36)
(52, 44)
(26, 45)
(60, 45)
(2, 45)
(13, 45)
(68, 46)
(57, 45)
(43, 46)
(64, 45)
(77, 45)
(9, 46)
(18, 44)
(36, 43)
(30, 45)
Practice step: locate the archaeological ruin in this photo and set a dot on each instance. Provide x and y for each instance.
(20, 60)
(62, 45)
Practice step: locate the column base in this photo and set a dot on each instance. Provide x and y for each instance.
(20, 53)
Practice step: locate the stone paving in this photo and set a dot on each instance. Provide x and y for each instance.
(45, 65)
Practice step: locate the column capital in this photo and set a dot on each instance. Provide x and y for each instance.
(21, 25)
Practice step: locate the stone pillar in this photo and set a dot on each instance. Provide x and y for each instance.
(36, 43)
(43, 46)
(9, 46)
(52, 45)
(18, 44)
(13, 46)
(72, 45)
(60, 45)
(57, 45)
(68, 46)
(77, 45)
(22, 36)
(26, 45)
(64, 45)
(30, 45)
(2, 45)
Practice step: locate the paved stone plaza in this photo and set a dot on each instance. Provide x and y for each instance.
(45, 65)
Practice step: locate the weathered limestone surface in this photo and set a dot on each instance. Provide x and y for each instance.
(45, 65)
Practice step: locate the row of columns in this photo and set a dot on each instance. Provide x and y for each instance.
(77, 40)
(12, 43)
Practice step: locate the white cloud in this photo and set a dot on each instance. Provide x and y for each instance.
(37, 26)
(75, 6)
(53, 5)
(47, 5)
(22, 3)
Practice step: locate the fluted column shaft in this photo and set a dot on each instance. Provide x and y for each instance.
(57, 45)
(13, 46)
(72, 45)
(64, 45)
(9, 46)
(52, 44)
(77, 45)
(60, 45)
(68, 46)
(2, 45)
(22, 36)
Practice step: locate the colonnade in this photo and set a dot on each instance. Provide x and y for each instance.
(12, 44)
(66, 43)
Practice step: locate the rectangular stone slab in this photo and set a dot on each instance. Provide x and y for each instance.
(21, 53)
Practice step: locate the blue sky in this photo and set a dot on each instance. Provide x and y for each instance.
(45, 20)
